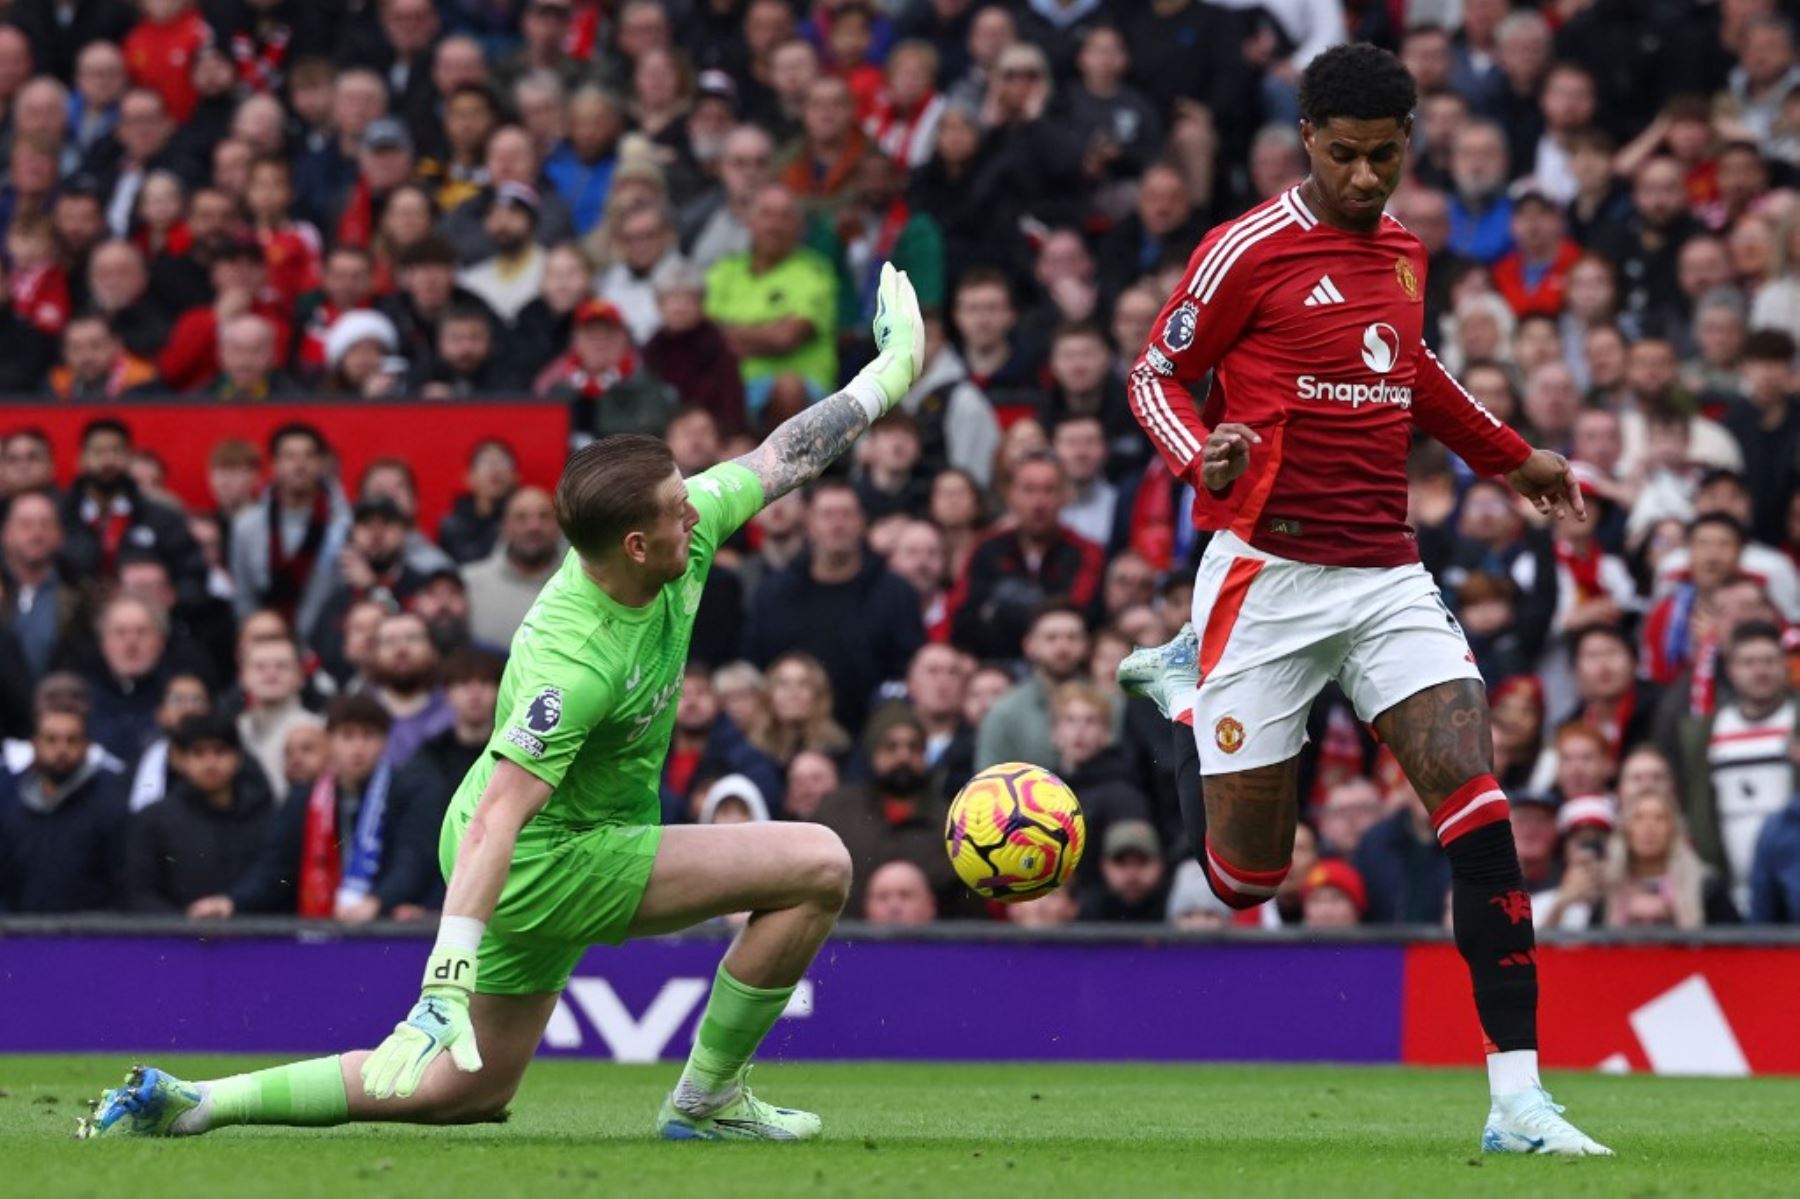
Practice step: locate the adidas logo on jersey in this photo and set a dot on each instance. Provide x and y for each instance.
(1324, 292)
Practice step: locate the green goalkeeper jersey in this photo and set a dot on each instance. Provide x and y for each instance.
(587, 703)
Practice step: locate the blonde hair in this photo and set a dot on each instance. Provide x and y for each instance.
(1684, 880)
(816, 730)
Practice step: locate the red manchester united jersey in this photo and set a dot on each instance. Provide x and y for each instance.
(1313, 338)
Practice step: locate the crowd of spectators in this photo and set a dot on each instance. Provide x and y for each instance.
(668, 215)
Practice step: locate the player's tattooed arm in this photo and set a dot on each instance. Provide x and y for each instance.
(801, 447)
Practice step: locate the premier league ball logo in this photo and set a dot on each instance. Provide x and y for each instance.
(545, 712)
(1178, 331)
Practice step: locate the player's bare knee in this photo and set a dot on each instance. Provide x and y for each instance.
(829, 869)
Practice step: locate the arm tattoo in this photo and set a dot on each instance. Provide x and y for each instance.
(801, 447)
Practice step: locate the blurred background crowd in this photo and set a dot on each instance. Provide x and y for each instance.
(668, 215)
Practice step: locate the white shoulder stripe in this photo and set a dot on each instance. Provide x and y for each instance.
(1247, 227)
(1237, 252)
(1297, 206)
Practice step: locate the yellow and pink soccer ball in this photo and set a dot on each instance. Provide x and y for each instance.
(1015, 832)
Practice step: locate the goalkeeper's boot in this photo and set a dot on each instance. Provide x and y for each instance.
(742, 1118)
(146, 1106)
(1530, 1122)
(1165, 674)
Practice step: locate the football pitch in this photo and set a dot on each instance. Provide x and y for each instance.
(943, 1131)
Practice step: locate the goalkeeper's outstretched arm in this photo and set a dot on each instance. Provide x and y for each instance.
(800, 448)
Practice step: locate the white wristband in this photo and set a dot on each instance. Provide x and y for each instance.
(868, 393)
(460, 933)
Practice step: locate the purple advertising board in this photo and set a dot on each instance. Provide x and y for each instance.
(862, 999)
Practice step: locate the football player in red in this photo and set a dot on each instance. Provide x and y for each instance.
(1307, 311)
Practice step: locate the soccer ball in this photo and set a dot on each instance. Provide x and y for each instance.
(1015, 832)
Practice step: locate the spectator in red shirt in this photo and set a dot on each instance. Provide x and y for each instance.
(161, 49)
(1531, 278)
(291, 249)
(1014, 571)
(240, 285)
(40, 289)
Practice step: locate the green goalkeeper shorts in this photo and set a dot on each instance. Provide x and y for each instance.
(567, 889)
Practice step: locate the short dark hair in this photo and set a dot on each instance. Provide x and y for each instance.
(471, 665)
(104, 424)
(984, 276)
(1084, 328)
(1752, 630)
(1723, 520)
(608, 488)
(298, 429)
(430, 250)
(1606, 631)
(210, 728)
(1769, 345)
(467, 311)
(357, 711)
(1054, 606)
(1359, 81)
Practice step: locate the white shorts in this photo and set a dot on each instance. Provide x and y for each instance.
(1274, 631)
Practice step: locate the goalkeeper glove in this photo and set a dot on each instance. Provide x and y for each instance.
(439, 1021)
(899, 345)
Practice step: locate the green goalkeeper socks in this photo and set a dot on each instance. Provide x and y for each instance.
(736, 1020)
(309, 1093)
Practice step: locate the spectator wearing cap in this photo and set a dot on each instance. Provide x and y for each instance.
(895, 814)
(62, 820)
(1531, 278)
(898, 896)
(514, 274)
(503, 586)
(1332, 895)
(646, 242)
(602, 380)
(1766, 422)
(1734, 764)
(701, 143)
(239, 277)
(689, 352)
(1584, 827)
(384, 163)
(360, 355)
(207, 831)
(96, 365)
(372, 565)
(1132, 885)
(247, 363)
(512, 157)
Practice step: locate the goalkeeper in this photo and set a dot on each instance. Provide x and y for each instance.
(552, 843)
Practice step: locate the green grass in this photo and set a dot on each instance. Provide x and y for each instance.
(946, 1131)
